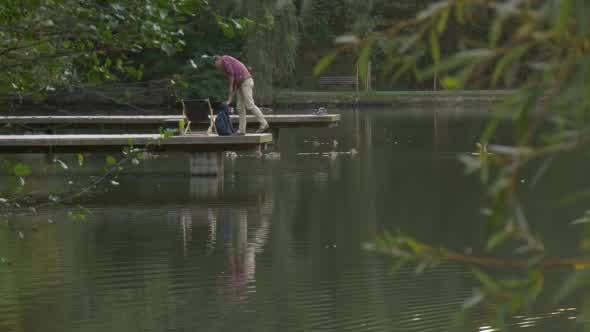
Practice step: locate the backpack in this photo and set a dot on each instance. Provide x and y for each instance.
(222, 121)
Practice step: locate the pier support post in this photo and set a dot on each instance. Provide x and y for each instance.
(275, 136)
(206, 163)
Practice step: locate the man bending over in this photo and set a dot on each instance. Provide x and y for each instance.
(242, 84)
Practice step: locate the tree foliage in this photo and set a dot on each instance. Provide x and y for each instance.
(543, 49)
(271, 46)
(49, 44)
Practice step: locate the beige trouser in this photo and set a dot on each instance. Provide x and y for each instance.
(245, 101)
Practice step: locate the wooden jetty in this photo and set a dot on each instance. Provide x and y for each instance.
(62, 134)
(89, 119)
(107, 142)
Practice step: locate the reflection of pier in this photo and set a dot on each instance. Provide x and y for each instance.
(205, 187)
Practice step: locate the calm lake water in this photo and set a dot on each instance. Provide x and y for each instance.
(276, 243)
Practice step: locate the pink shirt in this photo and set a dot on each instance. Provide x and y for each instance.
(234, 68)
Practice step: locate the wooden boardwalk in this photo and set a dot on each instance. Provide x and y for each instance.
(275, 120)
(153, 142)
(89, 119)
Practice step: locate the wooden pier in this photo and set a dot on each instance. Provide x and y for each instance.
(152, 142)
(100, 133)
(153, 122)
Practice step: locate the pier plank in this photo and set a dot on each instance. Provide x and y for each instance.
(93, 142)
(277, 120)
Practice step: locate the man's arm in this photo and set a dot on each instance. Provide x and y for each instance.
(230, 75)
(231, 89)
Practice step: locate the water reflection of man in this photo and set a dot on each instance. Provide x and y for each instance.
(242, 84)
(242, 248)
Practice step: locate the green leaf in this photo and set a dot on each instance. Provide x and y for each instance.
(497, 239)
(582, 220)
(565, 14)
(450, 83)
(445, 66)
(496, 30)
(110, 160)
(237, 24)
(416, 246)
(421, 268)
(578, 280)
(538, 282)
(474, 300)
(488, 282)
(324, 63)
(61, 163)
(476, 54)
(80, 159)
(181, 125)
(167, 48)
(21, 170)
(472, 164)
(228, 30)
(443, 20)
(431, 10)
(460, 12)
(363, 61)
(509, 58)
(541, 171)
(434, 46)
(523, 116)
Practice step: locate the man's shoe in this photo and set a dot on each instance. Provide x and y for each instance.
(239, 133)
(263, 129)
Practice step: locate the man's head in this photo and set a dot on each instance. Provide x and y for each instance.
(217, 61)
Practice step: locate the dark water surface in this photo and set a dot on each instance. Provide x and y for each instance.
(275, 244)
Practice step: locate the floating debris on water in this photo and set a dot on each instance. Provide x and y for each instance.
(320, 111)
(316, 143)
(332, 154)
(272, 156)
(258, 155)
(231, 155)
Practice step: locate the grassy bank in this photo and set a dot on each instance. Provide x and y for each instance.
(290, 97)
